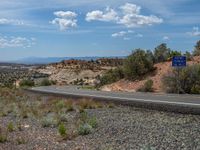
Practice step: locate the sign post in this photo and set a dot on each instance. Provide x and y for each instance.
(179, 62)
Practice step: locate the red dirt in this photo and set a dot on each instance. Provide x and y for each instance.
(161, 70)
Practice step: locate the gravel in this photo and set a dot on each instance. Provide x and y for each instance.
(119, 128)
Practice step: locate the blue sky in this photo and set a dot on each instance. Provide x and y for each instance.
(65, 28)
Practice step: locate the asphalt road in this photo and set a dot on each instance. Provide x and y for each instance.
(166, 102)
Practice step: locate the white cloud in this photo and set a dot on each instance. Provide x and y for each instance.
(11, 42)
(125, 34)
(4, 21)
(119, 34)
(108, 15)
(128, 15)
(165, 38)
(195, 32)
(129, 8)
(65, 14)
(65, 20)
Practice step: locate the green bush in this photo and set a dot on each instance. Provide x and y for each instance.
(138, 64)
(27, 83)
(185, 80)
(46, 82)
(84, 129)
(10, 127)
(3, 138)
(62, 130)
(148, 86)
(93, 122)
(111, 76)
(60, 104)
(50, 121)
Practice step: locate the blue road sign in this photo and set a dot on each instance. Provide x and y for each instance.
(179, 61)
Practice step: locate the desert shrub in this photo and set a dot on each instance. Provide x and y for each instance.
(111, 76)
(110, 105)
(93, 122)
(60, 104)
(62, 130)
(49, 121)
(26, 83)
(147, 87)
(88, 104)
(69, 106)
(47, 82)
(63, 117)
(84, 129)
(10, 127)
(185, 80)
(3, 138)
(137, 64)
(162, 53)
(84, 116)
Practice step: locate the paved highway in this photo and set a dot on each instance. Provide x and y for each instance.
(166, 102)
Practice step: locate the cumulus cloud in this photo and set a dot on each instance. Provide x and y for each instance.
(4, 21)
(11, 42)
(195, 32)
(128, 15)
(108, 15)
(65, 19)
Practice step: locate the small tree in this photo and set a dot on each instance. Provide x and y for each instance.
(137, 64)
(161, 53)
(197, 49)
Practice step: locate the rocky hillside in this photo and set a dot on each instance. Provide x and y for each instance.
(79, 72)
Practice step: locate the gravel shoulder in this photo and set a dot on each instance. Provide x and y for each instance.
(119, 128)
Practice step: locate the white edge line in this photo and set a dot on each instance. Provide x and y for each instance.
(130, 99)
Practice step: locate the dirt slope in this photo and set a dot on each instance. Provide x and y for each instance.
(161, 70)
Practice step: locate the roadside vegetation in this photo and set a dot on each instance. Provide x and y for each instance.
(183, 80)
(70, 118)
(30, 83)
(140, 64)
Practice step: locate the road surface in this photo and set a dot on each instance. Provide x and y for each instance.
(166, 102)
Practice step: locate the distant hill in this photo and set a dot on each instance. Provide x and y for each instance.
(48, 60)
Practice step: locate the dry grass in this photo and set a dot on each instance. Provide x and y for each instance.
(49, 112)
